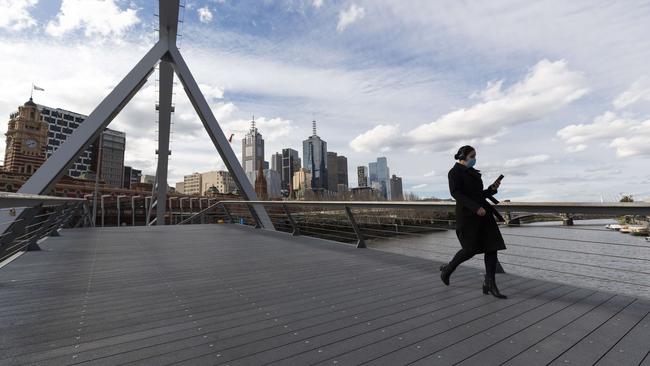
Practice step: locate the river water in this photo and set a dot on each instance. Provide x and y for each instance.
(586, 254)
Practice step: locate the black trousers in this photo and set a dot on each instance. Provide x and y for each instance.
(490, 259)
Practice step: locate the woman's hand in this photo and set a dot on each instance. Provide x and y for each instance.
(481, 211)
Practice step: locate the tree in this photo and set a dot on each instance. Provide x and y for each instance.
(627, 198)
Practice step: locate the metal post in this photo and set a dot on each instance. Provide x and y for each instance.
(171, 210)
(97, 173)
(133, 209)
(180, 202)
(166, 85)
(102, 206)
(295, 231)
(147, 214)
(119, 218)
(360, 242)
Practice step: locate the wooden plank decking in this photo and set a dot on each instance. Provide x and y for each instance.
(227, 294)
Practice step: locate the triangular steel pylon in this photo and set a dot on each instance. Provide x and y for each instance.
(171, 61)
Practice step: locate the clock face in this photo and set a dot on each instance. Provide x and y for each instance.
(31, 144)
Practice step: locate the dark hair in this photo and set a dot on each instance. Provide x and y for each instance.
(463, 152)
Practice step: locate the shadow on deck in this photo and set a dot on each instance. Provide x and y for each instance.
(227, 294)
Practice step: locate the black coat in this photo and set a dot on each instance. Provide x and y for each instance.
(477, 234)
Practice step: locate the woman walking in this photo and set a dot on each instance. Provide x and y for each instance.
(476, 228)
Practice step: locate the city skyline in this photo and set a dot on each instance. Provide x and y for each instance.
(577, 107)
(59, 124)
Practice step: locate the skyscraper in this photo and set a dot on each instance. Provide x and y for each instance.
(111, 166)
(62, 124)
(379, 177)
(131, 176)
(192, 184)
(332, 171)
(362, 176)
(314, 153)
(396, 191)
(260, 184)
(252, 151)
(290, 165)
(276, 162)
(383, 177)
(301, 182)
(342, 170)
(372, 174)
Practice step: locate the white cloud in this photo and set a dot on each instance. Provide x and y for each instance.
(607, 125)
(516, 166)
(638, 91)
(419, 186)
(211, 92)
(96, 17)
(317, 3)
(636, 143)
(628, 135)
(548, 87)
(525, 161)
(272, 129)
(205, 15)
(15, 15)
(375, 139)
(576, 148)
(430, 174)
(351, 15)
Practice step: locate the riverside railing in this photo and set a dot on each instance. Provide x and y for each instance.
(353, 220)
(599, 259)
(25, 219)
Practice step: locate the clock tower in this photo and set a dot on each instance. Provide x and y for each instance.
(26, 140)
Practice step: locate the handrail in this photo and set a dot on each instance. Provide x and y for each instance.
(614, 208)
(344, 227)
(30, 218)
(10, 199)
(630, 208)
(201, 212)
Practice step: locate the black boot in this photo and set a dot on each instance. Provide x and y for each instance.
(490, 285)
(445, 273)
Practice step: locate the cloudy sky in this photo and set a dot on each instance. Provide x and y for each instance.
(553, 94)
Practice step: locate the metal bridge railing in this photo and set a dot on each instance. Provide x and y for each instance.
(25, 219)
(426, 228)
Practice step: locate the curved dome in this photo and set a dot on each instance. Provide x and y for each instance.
(30, 103)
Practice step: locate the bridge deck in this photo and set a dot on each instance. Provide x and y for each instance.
(225, 294)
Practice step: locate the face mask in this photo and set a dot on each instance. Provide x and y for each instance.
(471, 163)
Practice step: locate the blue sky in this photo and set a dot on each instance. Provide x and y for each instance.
(553, 94)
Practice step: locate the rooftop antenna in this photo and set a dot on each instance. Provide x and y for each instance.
(313, 126)
(253, 124)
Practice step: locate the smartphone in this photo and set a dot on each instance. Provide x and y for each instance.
(500, 177)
